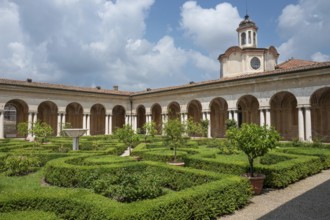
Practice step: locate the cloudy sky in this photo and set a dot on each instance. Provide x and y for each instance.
(139, 44)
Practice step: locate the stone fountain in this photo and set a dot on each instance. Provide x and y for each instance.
(75, 133)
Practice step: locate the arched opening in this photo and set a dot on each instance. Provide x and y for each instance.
(284, 114)
(47, 112)
(74, 115)
(173, 110)
(97, 120)
(157, 117)
(248, 110)
(16, 111)
(141, 118)
(243, 38)
(118, 117)
(219, 115)
(195, 111)
(320, 113)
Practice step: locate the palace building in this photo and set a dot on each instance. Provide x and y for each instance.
(293, 96)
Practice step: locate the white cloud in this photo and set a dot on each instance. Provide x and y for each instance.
(211, 29)
(320, 57)
(88, 43)
(305, 29)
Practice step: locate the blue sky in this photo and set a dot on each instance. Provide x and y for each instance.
(139, 44)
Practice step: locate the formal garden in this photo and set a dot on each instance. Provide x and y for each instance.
(173, 176)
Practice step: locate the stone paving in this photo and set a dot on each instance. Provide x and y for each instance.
(307, 199)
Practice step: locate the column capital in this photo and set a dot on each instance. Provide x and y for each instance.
(303, 106)
(264, 107)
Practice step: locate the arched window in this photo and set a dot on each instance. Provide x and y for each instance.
(243, 38)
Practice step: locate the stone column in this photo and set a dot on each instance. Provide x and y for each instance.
(30, 122)
(106, 125)
(134, 123)
(267, 119)
(301, 130)
(59, 124)
(308, 124)
(63, 119)
(84, 121)
(208, 117)
(230, 115)
(2, 125)
(35, 117)
(88, 125)
(163, 122)
(110, 124)
(235, 116)
(127, 120)
(34, 120)
(262, 117)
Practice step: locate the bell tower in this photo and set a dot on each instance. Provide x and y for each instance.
(247, 58)
(247, 33)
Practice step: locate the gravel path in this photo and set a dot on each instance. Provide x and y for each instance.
(306, 199)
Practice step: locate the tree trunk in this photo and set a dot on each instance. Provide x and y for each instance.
(174, 154)
(251, 167)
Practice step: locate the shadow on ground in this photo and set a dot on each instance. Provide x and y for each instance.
(313, 205)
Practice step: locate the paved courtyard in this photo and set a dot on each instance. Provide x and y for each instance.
(306, 199)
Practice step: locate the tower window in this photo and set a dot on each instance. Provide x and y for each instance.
(243, 38)
(249, 37)
(254, 38)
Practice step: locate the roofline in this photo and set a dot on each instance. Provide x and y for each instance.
(276, 72)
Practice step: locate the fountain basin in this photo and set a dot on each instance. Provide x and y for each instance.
(75, 133)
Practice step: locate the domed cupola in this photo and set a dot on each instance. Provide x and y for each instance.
(247, 58)
(247, 33)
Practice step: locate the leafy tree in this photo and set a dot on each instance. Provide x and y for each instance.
(40, 129)
(22, 129)
(197, 128)
(230, 123)
(150, 130)
(127, 135)
(174, 135)
(253, 140)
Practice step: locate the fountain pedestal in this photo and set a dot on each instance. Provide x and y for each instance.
(75, 133)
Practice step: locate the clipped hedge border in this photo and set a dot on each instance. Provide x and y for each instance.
(221, 196)
(278, 175)
(205, 201)
(322, 153)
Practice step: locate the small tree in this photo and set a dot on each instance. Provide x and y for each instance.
(150, 130)
(174, 135)
(127, 135)
(41, 130)
(230, 123)
(253, 140)
(22, 129)
(197, 128)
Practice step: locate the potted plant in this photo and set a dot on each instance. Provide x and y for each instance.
(254, 141)
(174, 132)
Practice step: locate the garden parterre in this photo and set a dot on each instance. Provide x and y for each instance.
(95, 183)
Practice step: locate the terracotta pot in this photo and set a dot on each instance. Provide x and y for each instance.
(257, 182)
(181, 164)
